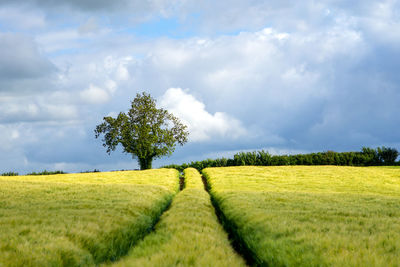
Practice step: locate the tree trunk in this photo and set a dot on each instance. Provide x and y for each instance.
(145, 163)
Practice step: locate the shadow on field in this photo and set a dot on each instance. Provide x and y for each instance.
(236, 241)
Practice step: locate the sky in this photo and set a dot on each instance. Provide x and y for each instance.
(282, 75)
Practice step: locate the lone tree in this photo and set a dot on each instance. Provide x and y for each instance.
(145, 131)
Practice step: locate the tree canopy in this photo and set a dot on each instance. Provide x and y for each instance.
(145, 131)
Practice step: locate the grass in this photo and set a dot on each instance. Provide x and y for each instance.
(188, 234)
(312, 216)
(79, 219)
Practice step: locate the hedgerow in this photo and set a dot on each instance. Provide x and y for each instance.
(366, 157)
(10, 174)
(45, 172)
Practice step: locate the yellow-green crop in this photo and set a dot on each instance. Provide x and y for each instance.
(312, 216)
(188, 234)
(79, 219)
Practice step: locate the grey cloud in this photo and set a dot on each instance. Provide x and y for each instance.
(80, 4)
(316, 90)
(136, 7)
(90, 26)
(21, 18)
(37, 107)
(20, 58)
(320, 78)
(28, 112)
(30, 147)
(213, 17)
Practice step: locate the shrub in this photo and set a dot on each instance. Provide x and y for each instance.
(370, 156)
(45, 172)
(95, 170)
(263, 158)
(387, 155)
(10, 174)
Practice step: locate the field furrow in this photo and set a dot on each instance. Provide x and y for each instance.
(188, 234)
(312, 216)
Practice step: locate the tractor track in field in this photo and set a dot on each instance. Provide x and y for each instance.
(201, 208)
(152, 227)
(181, 181)
(230, 228)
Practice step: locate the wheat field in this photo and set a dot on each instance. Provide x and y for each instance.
(79, 219)
(312, 215)
(188, 234)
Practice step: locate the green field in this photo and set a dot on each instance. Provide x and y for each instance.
(188, 234)
(79, 219)
(277, 216)
(312, 216)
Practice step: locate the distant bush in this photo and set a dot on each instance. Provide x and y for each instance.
(387, 155)
(10, 174)
(95, 170)
(46, 173)
(366, 157)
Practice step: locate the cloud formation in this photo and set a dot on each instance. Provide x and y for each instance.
(284, 75)
(201, 124)
(94, 95)
(20, 58)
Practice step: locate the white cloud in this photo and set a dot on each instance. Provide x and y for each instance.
(202, 125)
(265, 72)
(116, 67)
(111, 86)
(61, 112)
(298, 74)
(122, 73)
(15, 134)
(59, 40)
(94, 95)
(383, 21)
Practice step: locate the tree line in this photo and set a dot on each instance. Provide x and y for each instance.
(380, 156)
